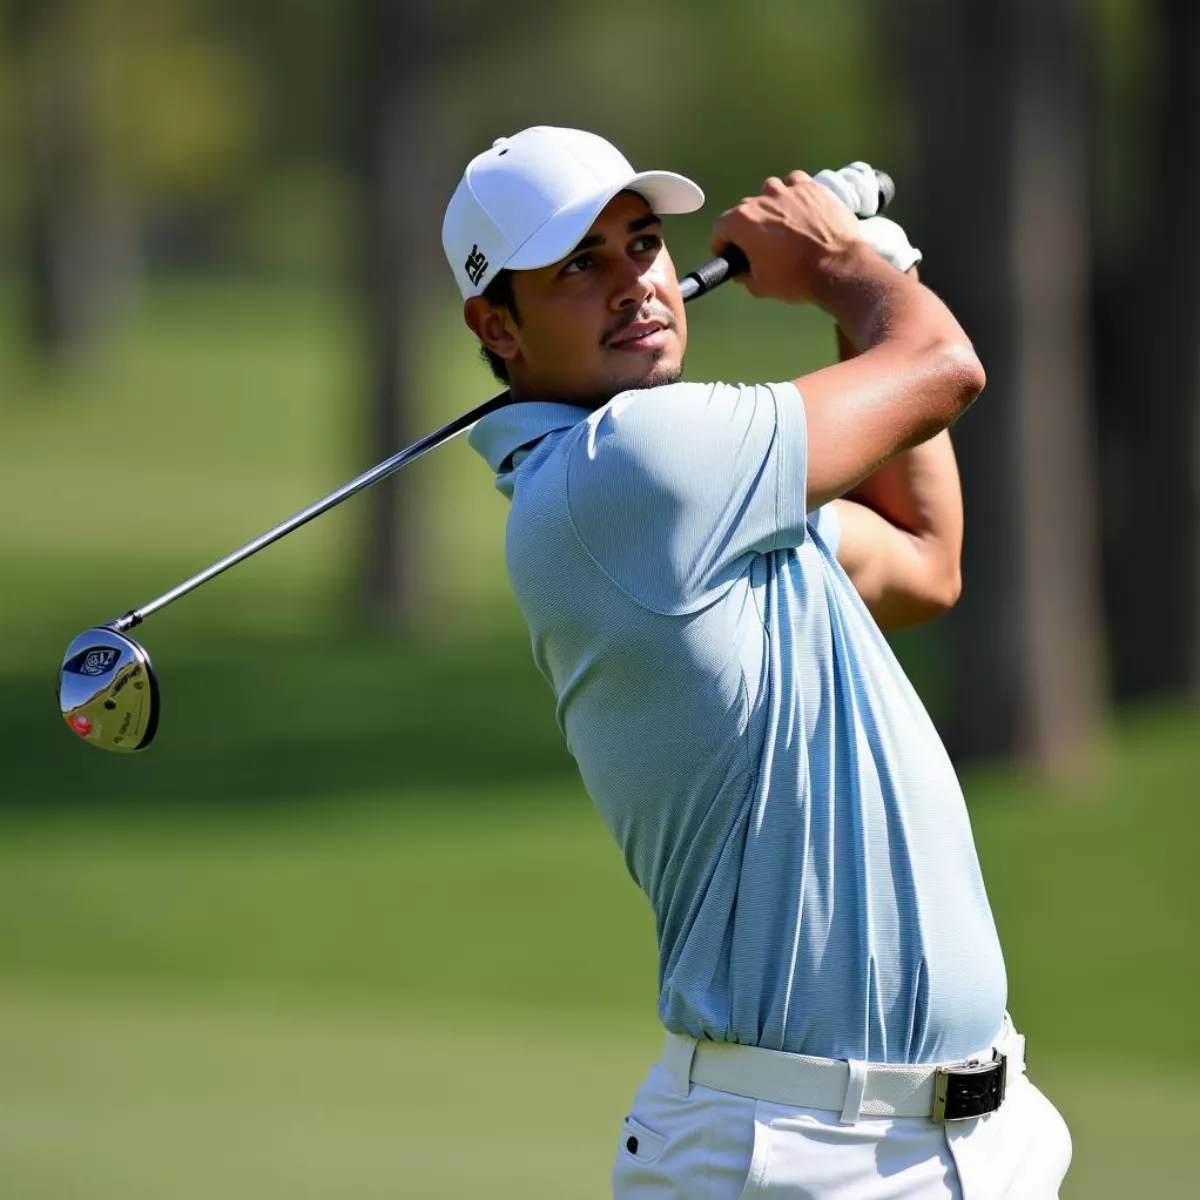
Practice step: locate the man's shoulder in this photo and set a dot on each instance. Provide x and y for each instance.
(670, 419)
(696, 395)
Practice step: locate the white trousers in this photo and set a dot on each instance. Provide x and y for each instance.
(684, 1141)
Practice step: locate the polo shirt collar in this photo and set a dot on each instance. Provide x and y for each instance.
(507, 429)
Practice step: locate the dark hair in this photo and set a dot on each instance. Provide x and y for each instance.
(499, 294)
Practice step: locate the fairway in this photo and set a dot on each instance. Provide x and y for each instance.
(142, 1100)
(447, 996)
(137, 1098)
(351, 928)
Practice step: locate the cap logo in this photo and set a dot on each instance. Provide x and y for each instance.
(475, 265)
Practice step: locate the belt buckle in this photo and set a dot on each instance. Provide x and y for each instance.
(969, 1089)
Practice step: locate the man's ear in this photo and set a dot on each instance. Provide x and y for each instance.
(492, 326)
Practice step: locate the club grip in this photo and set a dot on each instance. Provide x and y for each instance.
(733, 262)
(714, 272)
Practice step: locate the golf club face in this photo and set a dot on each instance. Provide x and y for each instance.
(107, 691)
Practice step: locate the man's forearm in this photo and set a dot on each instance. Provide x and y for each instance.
(873, 304)
(914, 374)
(917, 372)
(918, 492)
(919, 489)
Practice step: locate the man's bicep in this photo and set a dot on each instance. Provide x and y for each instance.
(857, 418)
(893, 571)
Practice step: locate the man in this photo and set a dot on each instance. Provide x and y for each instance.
(705, 570)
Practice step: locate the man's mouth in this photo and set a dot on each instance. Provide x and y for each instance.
(641, 335)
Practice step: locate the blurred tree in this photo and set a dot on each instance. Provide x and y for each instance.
(409, 166)
(997, 109)
(125, 108)
(786, 85)
(400, 157)
(1148, 360)
(78, 243)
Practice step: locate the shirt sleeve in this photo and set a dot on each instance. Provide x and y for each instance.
(827, 525)
(672, 490)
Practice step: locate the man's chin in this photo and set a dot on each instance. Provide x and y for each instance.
(656, 375)
(660, 376)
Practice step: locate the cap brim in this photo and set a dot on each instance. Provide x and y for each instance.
(665, 192)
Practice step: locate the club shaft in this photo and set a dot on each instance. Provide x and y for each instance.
(706, 277)
(702, 280)
(388, 467)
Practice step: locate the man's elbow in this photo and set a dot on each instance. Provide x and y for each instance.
(923, 600)
(944, 592)
(936, 594)
(951, 377)
(963, 374)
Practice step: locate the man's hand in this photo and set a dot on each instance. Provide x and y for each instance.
(916, 371)
(790, 233)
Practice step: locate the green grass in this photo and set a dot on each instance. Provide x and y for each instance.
(443, 992)
(360, 889)
(1096, 893)
(135, 1097)
(138, 1098)
(422, 902)
(351, 927)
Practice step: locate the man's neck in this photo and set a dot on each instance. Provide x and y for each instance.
(524, 391)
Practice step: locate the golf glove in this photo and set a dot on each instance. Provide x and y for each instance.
(890, 242)
(857, 187)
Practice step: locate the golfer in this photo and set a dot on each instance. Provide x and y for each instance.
(705, 570)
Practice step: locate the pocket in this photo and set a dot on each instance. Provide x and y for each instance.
(1052, 1139)
(1020, 1152)
(696, 1147)
(760, 1148)
(640, 1143)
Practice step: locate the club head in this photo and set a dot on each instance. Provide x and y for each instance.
(107, 691)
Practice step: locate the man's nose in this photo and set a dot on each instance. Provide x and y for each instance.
(636, 286)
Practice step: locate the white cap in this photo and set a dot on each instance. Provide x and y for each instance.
(531, 198)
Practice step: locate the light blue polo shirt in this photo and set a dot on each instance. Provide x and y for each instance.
(775, 784)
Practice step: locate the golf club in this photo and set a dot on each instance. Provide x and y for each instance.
(107, 690)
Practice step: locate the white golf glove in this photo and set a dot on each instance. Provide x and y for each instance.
(890, 242)
(857, 187)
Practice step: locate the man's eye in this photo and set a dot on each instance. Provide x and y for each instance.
(577, 264)
(647, 243)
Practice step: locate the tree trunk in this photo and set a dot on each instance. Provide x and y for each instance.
(999, 209)
(1148, 368)
(410, 168)
(79, 239)
(399, 253)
